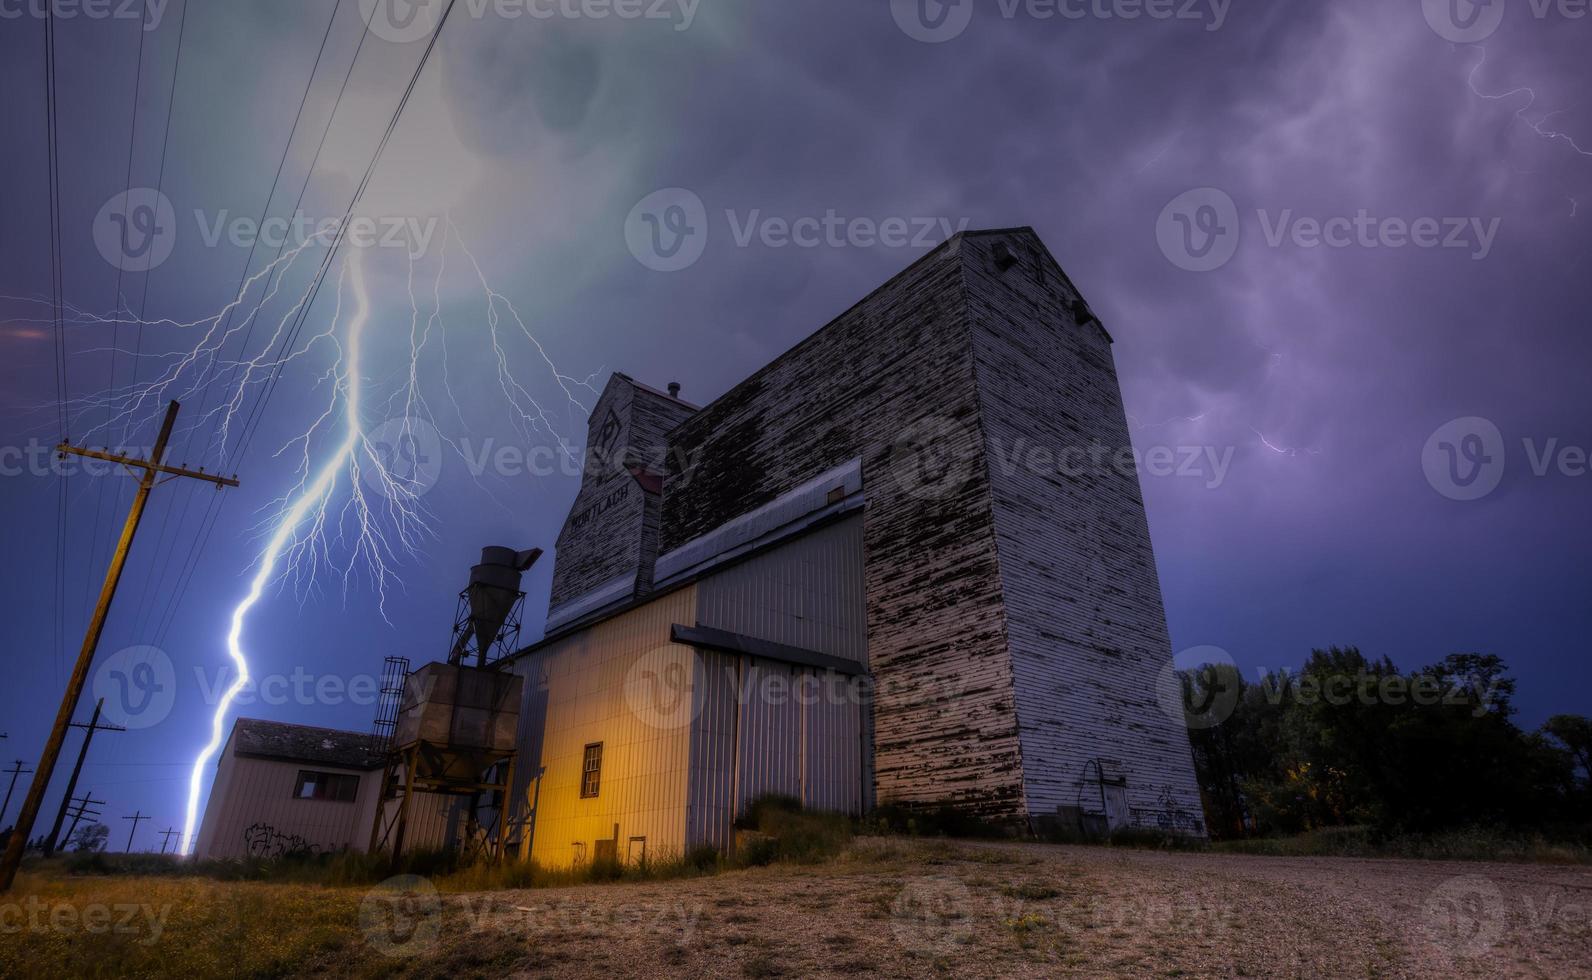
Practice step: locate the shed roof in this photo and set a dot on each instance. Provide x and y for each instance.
(304, 743)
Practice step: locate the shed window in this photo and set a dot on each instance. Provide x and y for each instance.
(591, 770)
(338, 787)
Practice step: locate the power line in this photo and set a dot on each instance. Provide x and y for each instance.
(138, 817)
(62, 382)
(127, 186)
(116, 294)
(150, 467)
(83, 807)
(15, 771)
(77, 770)
(184, 572)
(353, 203)
(281, 164)
(138, 342)
(115, 336)
(251, 423)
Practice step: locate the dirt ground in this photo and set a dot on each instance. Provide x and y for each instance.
(905, 909)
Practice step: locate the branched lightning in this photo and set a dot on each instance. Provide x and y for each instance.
(349, 511)
(1539, 126)
(309, 502)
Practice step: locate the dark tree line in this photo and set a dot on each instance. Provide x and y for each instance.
(1352, 741)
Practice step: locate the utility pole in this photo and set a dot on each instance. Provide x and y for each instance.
(136, 818)
(15, 771)
(84, 806)
(93, 726)
(166, 836)
(152, 466)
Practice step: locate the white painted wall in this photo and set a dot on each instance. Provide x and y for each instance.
(249, 791)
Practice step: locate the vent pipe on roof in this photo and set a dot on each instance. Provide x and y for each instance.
(674, 389)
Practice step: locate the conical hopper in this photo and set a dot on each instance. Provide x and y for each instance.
(493, 590)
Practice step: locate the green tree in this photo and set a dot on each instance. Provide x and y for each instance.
(1574, 734)
(1351, 740)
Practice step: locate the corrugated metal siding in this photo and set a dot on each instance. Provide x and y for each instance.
(836, 745)
(806, 593)
(771, 733)
(771, 728)
(250, 792)
(768, 727)
(598, 686)
(429, 824)
(712, 801)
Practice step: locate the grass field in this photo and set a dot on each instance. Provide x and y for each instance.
(890, 906)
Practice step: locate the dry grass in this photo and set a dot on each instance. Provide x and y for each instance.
(172, 927)
(893, 907)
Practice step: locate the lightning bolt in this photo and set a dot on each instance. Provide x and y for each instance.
(1540, 125)
(347, 509)
(309, 504)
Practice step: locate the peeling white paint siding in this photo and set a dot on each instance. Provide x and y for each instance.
(612, 527)
(1014, 620)
(1084, 615)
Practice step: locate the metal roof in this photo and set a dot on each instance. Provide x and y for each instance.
(303, 743)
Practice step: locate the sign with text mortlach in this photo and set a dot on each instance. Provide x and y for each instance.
(601, 507)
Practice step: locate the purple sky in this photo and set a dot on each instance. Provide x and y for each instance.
(1318, 373)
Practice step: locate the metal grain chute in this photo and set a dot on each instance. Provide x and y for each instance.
(488, 622)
